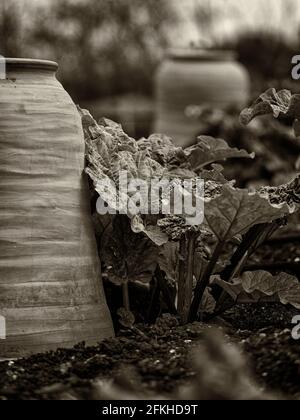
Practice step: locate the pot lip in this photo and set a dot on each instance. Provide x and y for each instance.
(31, 63)
(201, 54)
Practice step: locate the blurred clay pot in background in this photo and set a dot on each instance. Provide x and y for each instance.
(193, 77)
(50, 279)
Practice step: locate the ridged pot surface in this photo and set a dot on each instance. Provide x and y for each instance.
(50, 280)
(188, 78)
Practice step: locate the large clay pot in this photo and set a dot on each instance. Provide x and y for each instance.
(50, 280)
(195, 77)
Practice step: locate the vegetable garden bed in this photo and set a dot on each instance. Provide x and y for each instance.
(154, 361)
(172, 287)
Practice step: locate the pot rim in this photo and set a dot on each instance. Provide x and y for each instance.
(201, 54)
(31, 63)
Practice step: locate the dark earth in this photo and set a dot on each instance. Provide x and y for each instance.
(156, 360)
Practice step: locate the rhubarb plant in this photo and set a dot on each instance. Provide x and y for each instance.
(280, 104)
(194, 259)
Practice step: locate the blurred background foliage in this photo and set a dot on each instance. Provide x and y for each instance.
(110, 49)
(113, 47)
(104, 47)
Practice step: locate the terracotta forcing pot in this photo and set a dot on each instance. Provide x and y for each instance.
(50, 281)
(192, 77)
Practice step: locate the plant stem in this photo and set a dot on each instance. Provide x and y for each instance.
(250, 242)
(203, 282)
(186, 274)
(151, 315)
(125, 293)
(249, 239)
(165, 291)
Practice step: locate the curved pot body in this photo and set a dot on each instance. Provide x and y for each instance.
(189, 77)
(50, 281)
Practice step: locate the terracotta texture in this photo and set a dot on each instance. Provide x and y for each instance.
(50, 281)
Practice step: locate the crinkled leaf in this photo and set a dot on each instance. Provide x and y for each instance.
(127, 256)
(147, 167)
(181, 172)
(153, 231)
(259, 285)
(213, 189)
(110, 153)
(285, 286)
(215, 174)
(235, 211)
(284, 194)
(281, 103)
(209, 150)
(161, 149)
(109, 150)
(175, 227)
(270, 102)
(170, 228)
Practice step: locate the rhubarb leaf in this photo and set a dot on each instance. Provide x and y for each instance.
(150, 229)
(285, 286)
(235, 211)
(209, 150)
(261, 286)
(215, 174)
(284, 194)
(279, 104)
(162, 149)
(126, 255)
